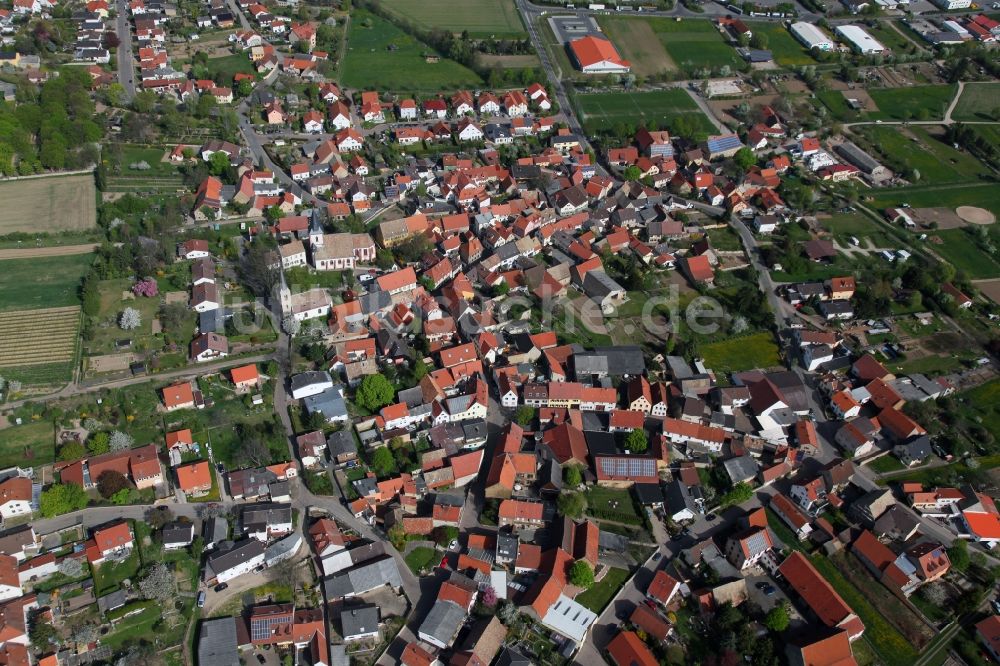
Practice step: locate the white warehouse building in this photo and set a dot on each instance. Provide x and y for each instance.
(951, 5)
(811, 36)
(860, 40)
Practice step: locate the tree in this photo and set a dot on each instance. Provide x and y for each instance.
(581, 574)
(147, 288)
(572, 476)
(777, 618)
(158, 583)
(738, 494)
(218, 163)
(111, 482)
(40, 629)
(291, 325)
(489, 597)
(99, 443)
(130, 319)
(525, 414)
(257, 271)
(375, 392)
(636, 442)
(122, 497)
(632, 173)
(744, 158)
(173, 317)
(383, 463)
(72, 451)
(958, 553)
(397, 536)
(159, 516)
(120, 441)
(572, 504)
(62, 498)
(444, 534)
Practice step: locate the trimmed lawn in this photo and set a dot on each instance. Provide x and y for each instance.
(600, 595)
(936, 161)
(784, 534)
(153, 156)
(32, 443)
(887, 463)
(42, 282)
(612, 504)
(787, 51)
(419, 558)
(844, 226)
(481, 18)
(663, 107)
(738, 354)
(108, 576)
(889, 37)
(380, 56)
(959, 249)
(694, 43)
(889, 644)
(951, 196)
(978, 102)
(725, 238)
(836, 103)
(919, 102)
(225, 68)
(637, 43)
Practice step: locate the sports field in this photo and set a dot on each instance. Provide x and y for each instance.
(663, 107)
(482, 18)
(687, 45)
(50, 204)
(383, 57)
(979, 101)
(916, 102)
(638, 44)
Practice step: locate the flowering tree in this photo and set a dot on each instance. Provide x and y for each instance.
(489, 597)
(130, 319)
(146, 287)
(120, 441)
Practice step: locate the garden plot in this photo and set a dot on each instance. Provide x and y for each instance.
(38, 337)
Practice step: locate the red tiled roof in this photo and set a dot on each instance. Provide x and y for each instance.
(591, 50)
(627, 649)
(814, 590)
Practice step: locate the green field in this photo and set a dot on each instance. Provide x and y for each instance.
(951, 196)
(919, 102)
(370, 64)
(663, 107)
(419, 558)
(152, 155)
(889, 37)
(600, 595)
(43, 282)
(845, 226)
(959, 249)
(481, 18)
(694, 43)
(979, 101)
(222, 70)
(738, 354)
(836, 103)
(983, 403)
(937, 162)
(30, 444)
(787, 51)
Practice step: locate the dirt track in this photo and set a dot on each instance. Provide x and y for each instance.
(32, 252)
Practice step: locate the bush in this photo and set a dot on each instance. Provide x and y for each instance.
(581, 574)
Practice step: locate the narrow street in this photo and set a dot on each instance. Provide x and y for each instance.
(126, 61)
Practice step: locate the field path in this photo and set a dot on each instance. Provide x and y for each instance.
(33, 252)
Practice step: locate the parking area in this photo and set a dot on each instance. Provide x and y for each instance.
(765, 592)
(568, 28)
(265, 657)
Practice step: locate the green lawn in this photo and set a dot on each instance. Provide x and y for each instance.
(481, 18)
(738, 354)
(845, 226)
(225, 68)
(959, 249)
(694, 43)
(983, 405)
(979, 101)
(836, 103)
(937, 162)
(663, 107)
(44, 282)
(725, 238)
(32, 443)
(784, 534)
(612, 504)
(598, 596)
(951, 196)
(787, 50)
(153, 156)
(380, 56)
(919, 102)
(109, 575)
(887, 642)
(889, 37)
(887, 463)
(929, 365)
(420, 558)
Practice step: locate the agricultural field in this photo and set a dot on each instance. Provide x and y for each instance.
(46, 338)
(738, 354)
(638, 44)
(162, 176)
(919, 102)
(381, 56)
(481, 18)
(958, 248)
(979, 101)
(33, 443)
(47, 205)
(663, 107)
(43, 282)
(222, 70)
(686, 45)
(787, 51)
(937, 162)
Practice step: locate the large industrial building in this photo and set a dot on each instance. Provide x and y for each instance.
(596, 55)
(860, 40)
(811, 36)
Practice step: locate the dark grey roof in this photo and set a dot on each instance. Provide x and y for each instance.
(359, 620)
(267, 513)
(109, 602)
(917, 448)
(507, 546)
(341, 443)
(242, 551)
(375, 301)
(599, 283)
(679, 496)
(448, 499)
(362, 578)
(214, 530)
(217, 643)
(178, 533)
(511, 657)
(304, 379)
(648, 493)
(475, 429)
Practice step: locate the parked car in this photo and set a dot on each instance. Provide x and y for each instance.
(260, 658)
(221, 587)
(201, 599)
